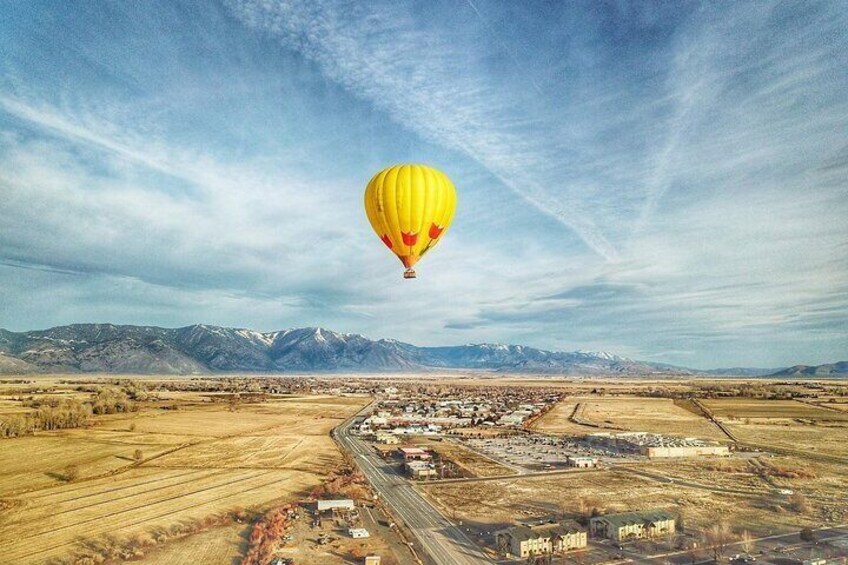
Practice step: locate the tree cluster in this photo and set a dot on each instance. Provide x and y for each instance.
(53, 413)
(266, 533)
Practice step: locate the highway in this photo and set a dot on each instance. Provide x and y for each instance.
(437, 538)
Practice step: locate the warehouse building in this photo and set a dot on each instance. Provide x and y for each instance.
(655, 452)
(656, 445)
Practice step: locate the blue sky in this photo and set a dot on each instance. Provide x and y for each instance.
(667, 181)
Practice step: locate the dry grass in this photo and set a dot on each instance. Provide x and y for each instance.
(657, 415)
(219, 545)
(556, 420)
(36, 462)
(786, 424)
(49, 524)
(197, 422)
(504, 501)
(309, 453)
(199, 461)
(740, 408)
(730, 473)
(825, 439)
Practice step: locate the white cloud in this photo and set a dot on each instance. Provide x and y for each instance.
(708, 181)
(428, 84)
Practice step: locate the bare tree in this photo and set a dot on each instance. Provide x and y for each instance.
(718, 537)
(580, 505)
(694, 549)
(747, 541)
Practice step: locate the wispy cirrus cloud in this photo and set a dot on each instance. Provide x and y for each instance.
(663, 181)
(410, 68)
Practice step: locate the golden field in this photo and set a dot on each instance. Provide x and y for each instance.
(197, 460)
(657, 415)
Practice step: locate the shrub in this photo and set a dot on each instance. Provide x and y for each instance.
(799, 503)
(72, 473)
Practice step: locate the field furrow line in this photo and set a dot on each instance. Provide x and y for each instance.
(145, 520)
(50, 510)
(83, 488)
(145, 506)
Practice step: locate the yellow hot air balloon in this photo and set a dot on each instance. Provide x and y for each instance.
(410, 207)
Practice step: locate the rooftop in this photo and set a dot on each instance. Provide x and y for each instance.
(413, 451)
(639, 517)
(544, 530)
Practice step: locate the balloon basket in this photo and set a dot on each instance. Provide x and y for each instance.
(409, 274)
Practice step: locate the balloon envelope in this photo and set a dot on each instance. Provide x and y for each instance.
(410, 208)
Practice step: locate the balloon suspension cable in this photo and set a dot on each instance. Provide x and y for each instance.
(409, 273)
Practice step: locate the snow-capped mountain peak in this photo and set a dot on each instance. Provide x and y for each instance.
(205, 348)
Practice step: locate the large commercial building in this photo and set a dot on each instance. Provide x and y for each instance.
(633, 525)
(524, 541)
(657, 445)
(685, 451)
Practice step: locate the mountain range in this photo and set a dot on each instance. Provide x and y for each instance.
(203, 349)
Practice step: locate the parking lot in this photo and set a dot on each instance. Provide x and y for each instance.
(539, 452)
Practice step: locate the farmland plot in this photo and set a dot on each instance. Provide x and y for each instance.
(198, 461)
(556, 421)
(221, 546)
(826, 438)
(741, 408)
(656, 415)
(50, 526)
(34, 462)
(314, 454)
(786, 424)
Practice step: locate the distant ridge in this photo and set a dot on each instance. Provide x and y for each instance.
(201, 348)
(831, 369)
(744, 371)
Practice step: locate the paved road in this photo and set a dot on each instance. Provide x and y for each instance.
(442, 542)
